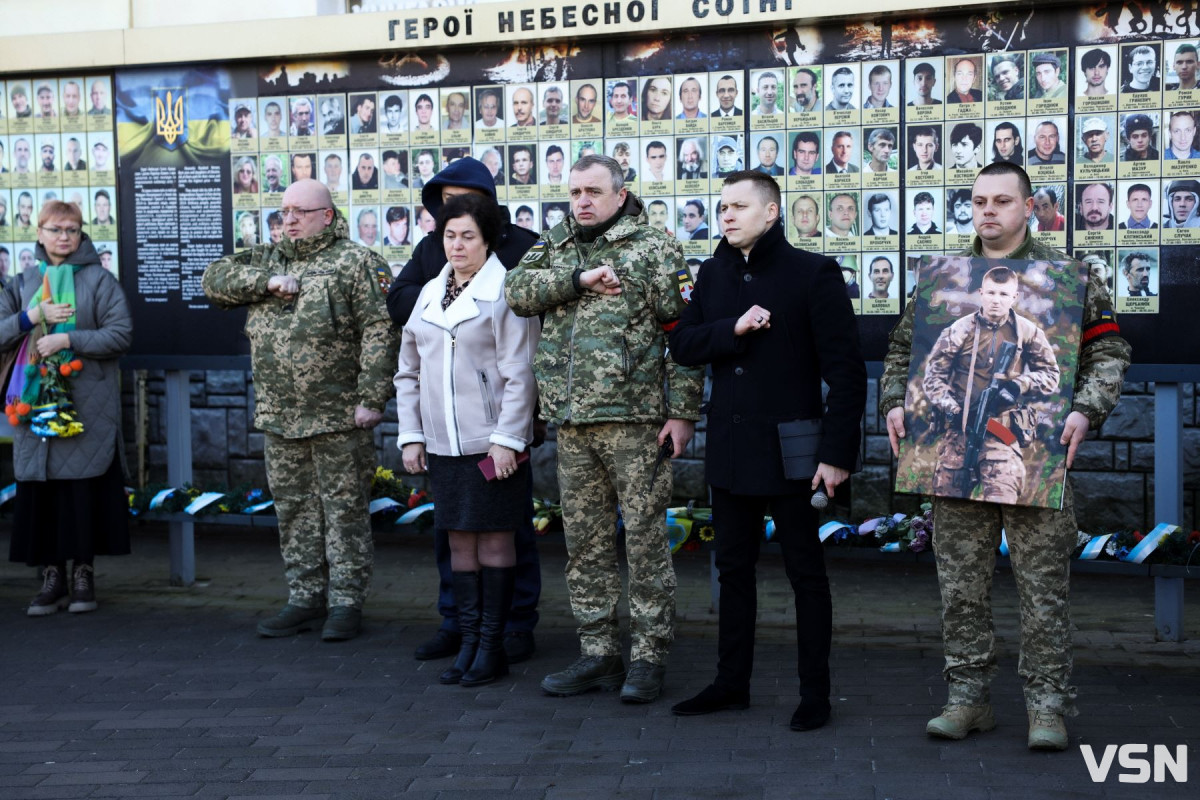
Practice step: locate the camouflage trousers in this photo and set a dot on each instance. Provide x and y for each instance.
(599, 466)
(1001, 469)
(1040, 541)
(322, 487)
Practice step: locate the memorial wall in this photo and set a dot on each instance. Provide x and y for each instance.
(873, 127)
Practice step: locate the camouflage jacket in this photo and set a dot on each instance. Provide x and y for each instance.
(1103, 355)
(330, 349)
(603, 358)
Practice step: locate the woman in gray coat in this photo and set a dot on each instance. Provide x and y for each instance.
(70, 502)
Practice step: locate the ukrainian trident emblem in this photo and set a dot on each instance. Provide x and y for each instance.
(170, 122)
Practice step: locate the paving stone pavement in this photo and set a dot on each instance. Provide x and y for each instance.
(167, 692)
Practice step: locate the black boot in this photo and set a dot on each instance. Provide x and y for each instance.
(466, 597)
(491, 662)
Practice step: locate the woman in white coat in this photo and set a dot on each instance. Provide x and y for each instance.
(466, 394)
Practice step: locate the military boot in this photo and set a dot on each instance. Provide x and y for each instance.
(1047, 731)
(585, 674)
(290, 621)
(956, 722)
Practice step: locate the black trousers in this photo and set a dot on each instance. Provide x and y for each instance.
(738, 520)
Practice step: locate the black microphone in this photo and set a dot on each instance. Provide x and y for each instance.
(820, 500)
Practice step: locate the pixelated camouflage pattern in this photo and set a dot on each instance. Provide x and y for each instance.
(322, 488)
(1040, 542)
(1034, 369)
(1102, 361)
(330, 349)
(604, 358)
(600, 466)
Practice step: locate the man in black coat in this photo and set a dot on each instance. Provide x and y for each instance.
(428, 258)
(773, 321)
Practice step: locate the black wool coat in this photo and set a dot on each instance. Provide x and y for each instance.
(773, 375)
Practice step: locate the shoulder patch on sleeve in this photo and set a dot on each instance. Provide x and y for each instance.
(1103, 325)
(684, 276)
(535, 253)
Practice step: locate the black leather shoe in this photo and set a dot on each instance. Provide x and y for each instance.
(585, 674)
(443, 645)
(712, 698)
(519, 646)
(810, 714)
(644, 682)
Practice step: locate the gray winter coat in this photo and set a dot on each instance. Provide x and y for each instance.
(103, 331)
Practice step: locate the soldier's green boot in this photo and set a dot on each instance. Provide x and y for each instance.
(955, 722)
(1047, 731)
(290, 621)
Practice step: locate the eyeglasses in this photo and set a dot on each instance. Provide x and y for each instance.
(299, 213)
(54, 230)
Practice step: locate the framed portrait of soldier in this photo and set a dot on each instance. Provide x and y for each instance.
(658, 214)
(74, 162)
(488, 114)
(881, 157)
(245, 230)
(522, 174)
(1181, 89)
(843, 225)
(1095, 143)
(553, 213)
(882, 286)
(963, 151)
(524, 215)
(397, 232)
(392, 112)
(456, 115)
(20, 107)
(1136, 280)
(1181, 155)
(1141, 76)
(964, 87)
(1181, 217)
(554, 110)
(842, 95)
(849, 266)
(767, 99)
(924, 212)
(585, 147)
(98, 103)
(691, 104)
(424, 122)
(331, 122)
(48, 156)
(1048, 223)
(881, 93)
(691, 224)
(620, 107)
(656, 106)
(1139, 155)
(1099, 263)
(1139, 213)
(727, 100)
(72, 118)
(658, 166)
(804, 108)
(22, 161)
(959, 223)
(1046, 158)
(729, 156)
(553, 168)
(766, 156)
(1095, 79)
(365, 177)
(625, 152)
(272, 126)
(804, 163)
(365, 227)
(425, 224)
(243, 125)
(45, 106)
(522, 110)
(924, 162)
(246, 183)
(363, 125)
(102, 168)
(1006, 84)
(881, 220)
(425, 162)
(23, 215)
(335, 175)
(394, 186)
(925, 85)
(1095, 223)
(492, 157)
(842, 165)
(1047, 84)
(587, 108)
(1005, 141)
(805, 219)
(271, 225)
(302, 122)
(984, 415)
(691, 165)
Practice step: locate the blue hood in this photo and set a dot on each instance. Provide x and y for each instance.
(466, 172)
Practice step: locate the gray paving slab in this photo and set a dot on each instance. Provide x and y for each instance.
(167, 692)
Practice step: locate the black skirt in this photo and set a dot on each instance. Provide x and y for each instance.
(70, 520)
(463, 500)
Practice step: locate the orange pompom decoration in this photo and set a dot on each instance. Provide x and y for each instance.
(77, 365)
(64, 369)
(42, 369)
(22, 408)
(14, 420)
(8, 409)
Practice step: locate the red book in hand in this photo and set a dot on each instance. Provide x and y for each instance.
(488, 466)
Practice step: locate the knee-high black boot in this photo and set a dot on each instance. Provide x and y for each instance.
(491, 662)
(466, 597)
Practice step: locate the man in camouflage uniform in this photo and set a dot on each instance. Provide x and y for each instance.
(1040, 540)
(323, 352)
(609, 285)
(960, 368)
